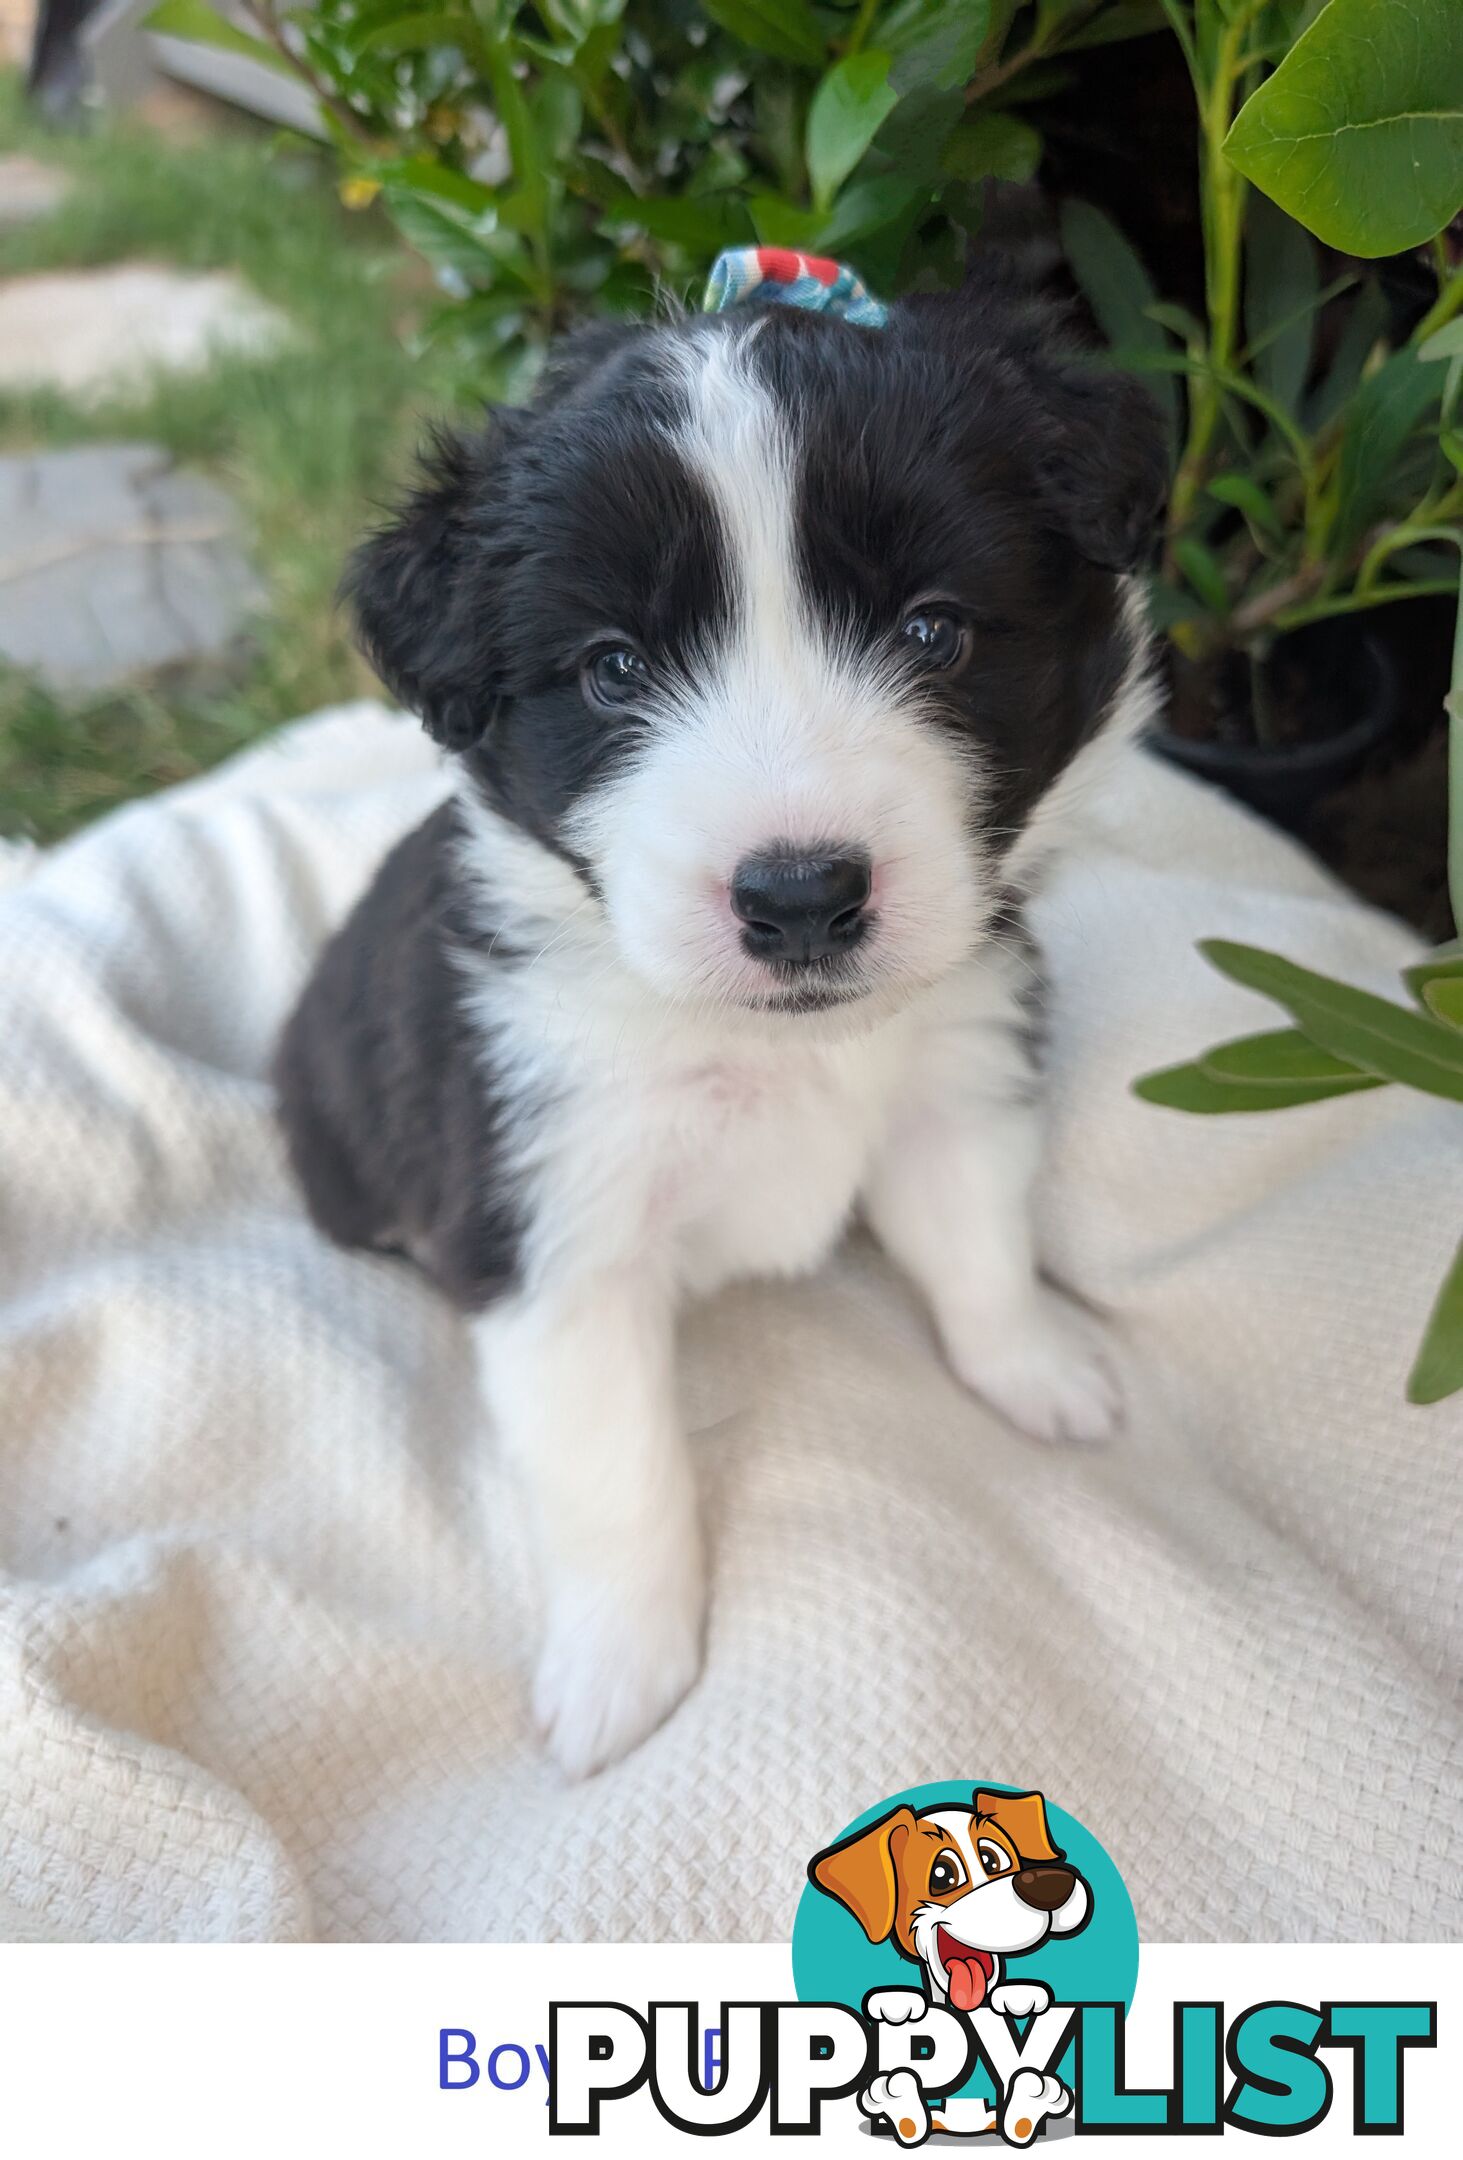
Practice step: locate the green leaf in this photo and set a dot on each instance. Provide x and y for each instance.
(1242, 493)
(992, 145)
(1379, 422)
(420, 33)
(914, 136)
(1117, 288)
(197, 22)
(868, 206)
(1359, 132)
(1114, 25)
(1368, 1031)
(1202, 570)
(704, 225)
(788, 29)
(780, 223)
(525, 153)
(1031, 85)
(934, 44)
(1197, 1090)
(1281, 287)
(1439, 1367)
(1111, 274)
(780, 112)
(849, 107)
(576, 20)
(448, 242)
(558, 115)
(1366, 321)
(1185, 326)
(1284, 1055)
(1443, 998)
(1440, 966)
(1444, 344)
(426, 176)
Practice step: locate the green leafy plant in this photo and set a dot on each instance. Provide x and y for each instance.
(583, 155)
(1308, 483)
(1344, 1041)
(1348, 493)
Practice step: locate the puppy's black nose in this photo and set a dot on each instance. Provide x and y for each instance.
(800, 908)
(1045, 1888)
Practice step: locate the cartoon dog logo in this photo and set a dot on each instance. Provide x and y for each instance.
(959, 1891)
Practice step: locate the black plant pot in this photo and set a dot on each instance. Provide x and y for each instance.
(1285, 781)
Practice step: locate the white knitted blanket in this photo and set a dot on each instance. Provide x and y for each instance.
(263, 1662)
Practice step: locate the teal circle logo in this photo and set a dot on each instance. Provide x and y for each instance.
(980, 1896)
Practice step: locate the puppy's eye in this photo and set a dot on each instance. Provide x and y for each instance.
(946, 1874)
(993, 1858)
(615, 676)
(937, 638)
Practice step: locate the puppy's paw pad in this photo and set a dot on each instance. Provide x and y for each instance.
(610, 1672)
(900, 2102)
(896, 2006)
(1031, 2099)
(1020, 1998)
(1050, 1374)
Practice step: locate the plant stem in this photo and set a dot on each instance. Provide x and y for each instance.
(1454, 707)
(1443, 309)
(1276, 601)
(863, 22)
(1222, 190)
(265, 17)
(1430, 521)
(1356, 603)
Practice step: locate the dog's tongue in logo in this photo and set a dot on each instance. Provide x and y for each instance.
(968, 1972)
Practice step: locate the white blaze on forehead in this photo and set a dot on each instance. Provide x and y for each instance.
(783, 729)
(736, 442)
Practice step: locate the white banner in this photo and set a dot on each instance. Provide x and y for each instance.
(404, 2050)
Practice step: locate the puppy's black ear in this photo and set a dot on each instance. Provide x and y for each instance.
(1104, 470)
(421, 588)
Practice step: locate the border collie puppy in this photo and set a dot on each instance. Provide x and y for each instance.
(764, 645)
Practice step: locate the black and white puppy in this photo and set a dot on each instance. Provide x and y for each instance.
(765, 645)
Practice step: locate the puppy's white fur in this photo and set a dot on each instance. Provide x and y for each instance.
(677, 1136)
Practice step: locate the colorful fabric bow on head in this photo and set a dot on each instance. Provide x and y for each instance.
(805, 281)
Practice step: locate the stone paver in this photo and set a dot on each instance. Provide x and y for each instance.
(29, 190)
(95, 333)
(115, 564)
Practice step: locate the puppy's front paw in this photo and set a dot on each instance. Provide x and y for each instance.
(1048, 1372)
(1020, 1998)
(895, 2006)
(617, 1658)
(898, 2101)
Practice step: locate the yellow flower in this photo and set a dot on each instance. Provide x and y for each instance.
(358, 190)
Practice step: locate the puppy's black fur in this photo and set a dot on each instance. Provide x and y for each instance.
(392, 1121)
(962, 452)
(965, 447)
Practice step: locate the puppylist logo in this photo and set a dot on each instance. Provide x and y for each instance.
(966, 1891)
(964, 1958)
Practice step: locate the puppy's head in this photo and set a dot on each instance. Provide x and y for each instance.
(958, 1889)
(777, 631)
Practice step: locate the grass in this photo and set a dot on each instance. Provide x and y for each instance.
(307, 440)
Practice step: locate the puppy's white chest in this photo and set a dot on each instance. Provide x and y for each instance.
(769, 1155)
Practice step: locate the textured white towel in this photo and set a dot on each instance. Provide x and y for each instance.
(263, 1661)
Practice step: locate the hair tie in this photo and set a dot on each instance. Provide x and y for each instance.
(805, 281)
